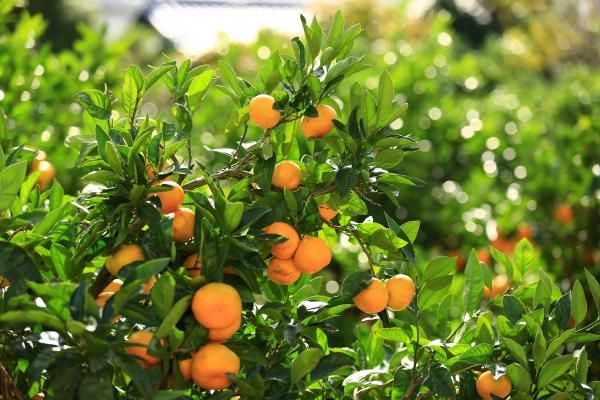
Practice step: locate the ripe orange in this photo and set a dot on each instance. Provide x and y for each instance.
(326, 212)
(217, 305)
(114, 286)
(47, 173)
(483, 255)
(184, 221)
(373, 299)
(148, 285)
(401, 290)
(287, 174)
(124, 255)
(282, 271)
(221, 335)
(103, 298)
(319, 126)
(312, 255)
(185, 367)
(137, 346)
(500, 284)
(170, 200)
(564, 213)
(488, 385)
(40, 156)
(193, 265)
(261, 111)
(210, 365)
(4, 282)
(284, 249)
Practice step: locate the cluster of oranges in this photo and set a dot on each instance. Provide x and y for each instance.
(295, 256)
(397, 294)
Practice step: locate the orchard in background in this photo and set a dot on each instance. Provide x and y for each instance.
(164, 279)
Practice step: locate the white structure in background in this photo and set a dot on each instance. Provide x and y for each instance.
(116, 15)
(196, 26)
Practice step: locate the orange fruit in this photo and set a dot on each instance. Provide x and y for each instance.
(500, 284)
(210, 365)
(185, 367)
(326, 212)
(39, 396)
(287, 174)
(184, 221)
(285, 249)
(260, 110)
(317, 127)
(103, 298)
(373, 299)
(282, 271)
(217, 305)
(312, 255)
(483, 255)
(401, 290)
(221, 335)
(124, 255)
(193, 265)
(170, 200)
(149, 285)
(564, 213)
(40, 156)
(4, 282)
(47, 173)
(138, 346)
(488, 385)
(114, 286)
(152, 173)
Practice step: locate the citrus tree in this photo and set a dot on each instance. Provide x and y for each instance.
(164, 278)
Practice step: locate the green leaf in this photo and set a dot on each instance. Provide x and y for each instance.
(96, 386)
(539, 350)
(336, 29)
(354, 283)
(523, 256)
(556, 343)
(519, 377)
(581, 368)
(474, 283)
(229, 77)
(553, 369)
(173, 315)
(345, 180)
(439, 267)
(392, 334)
(479, 354)
(578, 303)
(163, 294)
(385, 97)
(133, 85)
(199, 86)
(95, 102)
(388, 158)
(513, 308)
(3, 131)
(233, 214)
(330, 364)
(305, 363)
(157, 73)
(113, 158)
(11, 179)
(594, 288)
(439, 381)
(515, 349)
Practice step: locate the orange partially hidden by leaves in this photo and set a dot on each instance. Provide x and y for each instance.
(221, 335)
(39, 396)
(185, 367)
(47, 173)
(137, 346)
(401, 290)
(114, 286)
(312, 255)
(284, 249)
(373, 299)
(483, 255)
(171, 199)
(4, 282)
(148, 285)
(217, 305)
(193, 265)
(286, 175)
(124, 255)
(211, 364)
(103, 298)
(282, 271)
(326, 212)
(487, 386)
(260, 110)
(317, 127)
(500, 284)
(152, 173)
(564, 213)
(184, 221)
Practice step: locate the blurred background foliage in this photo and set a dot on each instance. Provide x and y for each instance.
(503, 98)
